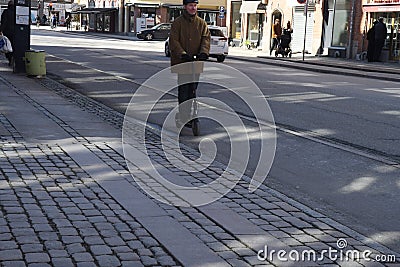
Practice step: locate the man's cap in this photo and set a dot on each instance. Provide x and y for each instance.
(185, 2)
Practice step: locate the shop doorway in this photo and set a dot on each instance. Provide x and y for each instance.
(275, 15)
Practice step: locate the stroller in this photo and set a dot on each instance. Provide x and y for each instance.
(284, 45)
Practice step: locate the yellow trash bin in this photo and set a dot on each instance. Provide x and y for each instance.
(35, 63)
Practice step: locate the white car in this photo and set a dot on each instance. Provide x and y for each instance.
(218, 46)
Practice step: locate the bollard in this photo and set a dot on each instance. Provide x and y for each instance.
(35, 63)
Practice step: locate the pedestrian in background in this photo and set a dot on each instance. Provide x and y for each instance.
(7, 28)
(44, 19)
(380, 37)
(276, 35)
(54, 21)
(37, 21)
(371, 42)
(288, 28)
(68, 22)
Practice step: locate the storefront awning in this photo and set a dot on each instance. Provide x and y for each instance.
(249, 7)
(381, 8)
(147, 5)
(95, 10)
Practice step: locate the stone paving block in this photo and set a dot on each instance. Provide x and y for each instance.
(296, 222)
(57, 253)
(144, 252)
(32, 248)
(280, 213)
(128, 256)
(88, 232)
(5, 245)
(100, 250)
(279, 234)
(27, 239)
(148, 261)
(166, 261)
(41, 264)
(108, 261)
(75, 248)
(305, 238)
(23, 232)
(86, 264)
(53, 245)
(114, 240)
(270, 218)
(281, 224)
(48, 236)
(135, 244)
(10, 254)
(131, 264)
(13, 264)
(64, 262)
(82, 257)
(70, 239)
(127, 236)
(67, 231)
(37, 257)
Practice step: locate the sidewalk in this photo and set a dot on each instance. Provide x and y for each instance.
(68, 199)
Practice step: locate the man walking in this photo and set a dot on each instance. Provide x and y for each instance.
(276, 35)
(380, 37)
(189, 37)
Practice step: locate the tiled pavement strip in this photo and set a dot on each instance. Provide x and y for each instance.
(73, 202)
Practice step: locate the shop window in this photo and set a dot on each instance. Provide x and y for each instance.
(209, 16)
(341, 20)
(236, 21)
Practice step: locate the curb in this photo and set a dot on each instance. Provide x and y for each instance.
(338, 70)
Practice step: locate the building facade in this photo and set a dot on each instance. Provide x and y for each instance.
(250, 23)
(146, 13)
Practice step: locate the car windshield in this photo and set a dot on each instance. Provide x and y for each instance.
(216, 32)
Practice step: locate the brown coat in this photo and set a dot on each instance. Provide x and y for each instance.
(276, 30)
(190, 35)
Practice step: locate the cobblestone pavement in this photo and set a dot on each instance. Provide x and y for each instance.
(69, 199)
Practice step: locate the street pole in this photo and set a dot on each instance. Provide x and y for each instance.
(305, 28)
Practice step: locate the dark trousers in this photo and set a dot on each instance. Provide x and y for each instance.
(275, 43)
(371, 50)
(187, 86)
(379, 43)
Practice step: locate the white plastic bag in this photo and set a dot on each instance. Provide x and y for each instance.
(5, 44)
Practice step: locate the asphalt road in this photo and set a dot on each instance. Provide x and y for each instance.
(341, 117)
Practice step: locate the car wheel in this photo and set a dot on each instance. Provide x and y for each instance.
(167, 52)
(220, 58)
(149, 37)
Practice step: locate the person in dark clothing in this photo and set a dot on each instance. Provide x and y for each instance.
(189, 37)
(7, 27)
(44, 19)
(371, 42)
(380, 37)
